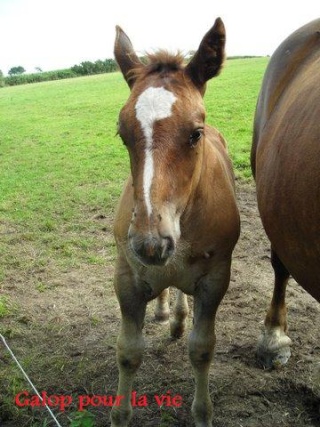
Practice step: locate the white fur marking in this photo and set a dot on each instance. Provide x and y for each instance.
(154, 104)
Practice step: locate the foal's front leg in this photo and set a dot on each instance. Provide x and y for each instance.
(130, 344)
(208, 295)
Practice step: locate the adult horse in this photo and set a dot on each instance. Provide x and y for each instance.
(285, 161)
(177, 221)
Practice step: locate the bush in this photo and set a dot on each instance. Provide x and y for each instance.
(39, 77)
(84, 69)
(87, 68)
(2, 83)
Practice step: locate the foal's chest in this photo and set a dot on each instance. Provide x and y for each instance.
(183, 275)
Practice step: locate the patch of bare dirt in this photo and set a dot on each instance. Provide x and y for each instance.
(66, 336)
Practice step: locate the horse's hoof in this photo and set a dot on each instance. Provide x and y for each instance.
(273, 349)
(273, 359)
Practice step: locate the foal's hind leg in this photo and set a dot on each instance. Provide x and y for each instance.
(162, 310)
(180, 313)
(274, 344)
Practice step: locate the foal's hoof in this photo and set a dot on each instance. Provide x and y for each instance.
(120, 416)
(177, 329)
(273, 349)
(161, 318)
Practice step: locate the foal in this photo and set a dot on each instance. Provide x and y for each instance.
(177, 221)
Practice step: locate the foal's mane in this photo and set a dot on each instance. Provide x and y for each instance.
(162, 62)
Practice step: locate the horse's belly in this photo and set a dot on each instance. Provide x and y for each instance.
(288, 194)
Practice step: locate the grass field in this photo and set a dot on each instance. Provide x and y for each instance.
(62, 168)
(61, 160)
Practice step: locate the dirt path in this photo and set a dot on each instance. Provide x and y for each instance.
(67, 336)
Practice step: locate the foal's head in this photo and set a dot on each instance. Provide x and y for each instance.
(162, 126)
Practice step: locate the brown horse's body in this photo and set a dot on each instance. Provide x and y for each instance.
(177, 221)
(285, 161)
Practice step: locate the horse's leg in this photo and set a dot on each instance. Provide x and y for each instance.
(180, 313)
(162, 310)
(130, 344)
(274, 344)
(207, 297)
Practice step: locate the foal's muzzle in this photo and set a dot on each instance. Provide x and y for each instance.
(152, 250)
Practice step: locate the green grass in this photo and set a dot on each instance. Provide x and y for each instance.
(61, 162)
(4, 310)
(59, 153)
(58, 145)
(230, 101)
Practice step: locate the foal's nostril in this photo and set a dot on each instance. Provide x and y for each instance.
(167, 247)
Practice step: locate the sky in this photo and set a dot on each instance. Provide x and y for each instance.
(56, 34)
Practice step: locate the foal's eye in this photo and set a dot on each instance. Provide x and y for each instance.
(195, 136)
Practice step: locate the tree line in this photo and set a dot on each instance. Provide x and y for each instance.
(17, 74)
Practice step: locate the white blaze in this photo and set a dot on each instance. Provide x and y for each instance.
(154, 104)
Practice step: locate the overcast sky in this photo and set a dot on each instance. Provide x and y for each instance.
(55, 34)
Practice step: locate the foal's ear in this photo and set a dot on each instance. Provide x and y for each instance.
(207, 61)
(125, 55)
